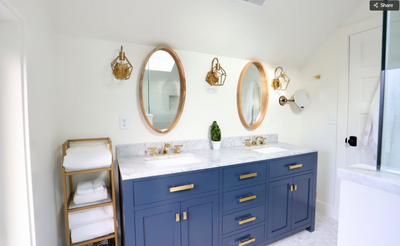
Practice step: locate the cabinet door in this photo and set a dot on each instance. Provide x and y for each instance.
(200, 227)
(158, 226)
(279, 206)
(301, 203)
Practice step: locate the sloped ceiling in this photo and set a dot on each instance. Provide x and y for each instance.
(284, 32)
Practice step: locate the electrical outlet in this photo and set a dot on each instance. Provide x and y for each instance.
(123, 122)
(332, 119)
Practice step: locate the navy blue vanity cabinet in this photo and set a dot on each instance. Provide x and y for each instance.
(291, 196)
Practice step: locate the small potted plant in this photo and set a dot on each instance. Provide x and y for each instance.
(215, 136)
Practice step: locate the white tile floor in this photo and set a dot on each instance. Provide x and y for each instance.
(325, 234)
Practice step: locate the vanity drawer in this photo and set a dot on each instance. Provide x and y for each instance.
(243, 197)
(291, 165)
(243, 219)
(244, 174)
(252, 237)
(156, 190)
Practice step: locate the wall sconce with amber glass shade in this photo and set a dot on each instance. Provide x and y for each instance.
(121, 66)
(217, 75)
(281, 80)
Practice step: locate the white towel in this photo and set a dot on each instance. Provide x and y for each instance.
(90, 216)
(86, 149)
(92, 231)
(372, 127)
(91, 197)
(91, 186)
(85, 158)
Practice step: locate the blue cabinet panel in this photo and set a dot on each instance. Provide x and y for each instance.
(232, 176)
(200, 227)
(282, 167)
(158, 226)
(256, 235)
(254, 215)
(231, 200)
(301, 212)
(155, 190)
(279, 207)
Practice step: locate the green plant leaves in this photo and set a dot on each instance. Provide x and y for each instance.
(215, 132)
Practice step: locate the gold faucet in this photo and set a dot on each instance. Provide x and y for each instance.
(177, 148)
(255, 140)
(248, 144)
(154, 150)
(262, 142)
(166, 146)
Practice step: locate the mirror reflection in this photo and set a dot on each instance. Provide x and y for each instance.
(162, 89)
(251, 94)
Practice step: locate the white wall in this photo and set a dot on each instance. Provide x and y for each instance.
(14, 190)
(329, 95)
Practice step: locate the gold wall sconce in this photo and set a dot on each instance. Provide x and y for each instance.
(316, 76)
(281, 80)
(121, 66)
(217, 75)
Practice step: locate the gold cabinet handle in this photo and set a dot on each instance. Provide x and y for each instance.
(250, 240)
(249, 175)
(177, 217)
(291, 188)
(183, 187)
(295, 166)
(184, 215)
(250, 197)
(251, 218)
(295, 187)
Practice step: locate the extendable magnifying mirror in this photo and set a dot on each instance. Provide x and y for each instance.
(300, 97)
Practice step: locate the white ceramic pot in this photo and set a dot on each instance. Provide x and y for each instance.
(216, 145)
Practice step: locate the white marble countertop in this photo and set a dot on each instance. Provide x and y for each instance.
(134, 167)
(368, 176)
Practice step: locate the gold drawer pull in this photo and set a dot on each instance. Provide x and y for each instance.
(250, 240)
(247, 220)
(295, 166)
(184, 215)
(250, 197)
(295, 187)
(246, 176)
(177, 217)
(291, 188)
(183, 187)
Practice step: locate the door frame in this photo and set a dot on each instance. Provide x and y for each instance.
(343, 85)
(11, 14)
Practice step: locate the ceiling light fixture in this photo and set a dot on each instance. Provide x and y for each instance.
(121, 66)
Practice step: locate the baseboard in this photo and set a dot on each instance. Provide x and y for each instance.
(327, 210)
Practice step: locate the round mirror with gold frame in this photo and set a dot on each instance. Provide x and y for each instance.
(162, 89)
(252, 94)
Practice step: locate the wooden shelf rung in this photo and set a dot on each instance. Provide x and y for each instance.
(91, 206)
(88, 171)
(98, 239)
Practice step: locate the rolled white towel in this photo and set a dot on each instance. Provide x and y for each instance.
(87, 149)
(91, 197)
(84, 160)
(92, 231)
(86, 187)
(90, 216)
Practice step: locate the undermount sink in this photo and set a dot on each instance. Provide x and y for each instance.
(172, 160)
(270, 150)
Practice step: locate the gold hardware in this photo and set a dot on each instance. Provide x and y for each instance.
(121, 66)
(250, 240)
(154, 150)
(281, 80)
(177, 217)
(217, 75)
(316, 76)
(166, 146)
(177, 148)
(248, 142)
(183, 187)
(246, 176)
(184, 215)
(255, 140)
(283, 100)
(295, 187)
(295, 166)
(291, 188)
(262, 142)
(247, 220)
(250, 197)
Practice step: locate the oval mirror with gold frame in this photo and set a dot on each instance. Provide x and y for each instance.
(162, 89)
(252, 94)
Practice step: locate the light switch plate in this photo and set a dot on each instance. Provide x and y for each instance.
(123, 122)
(332, 119)
(271, 119)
